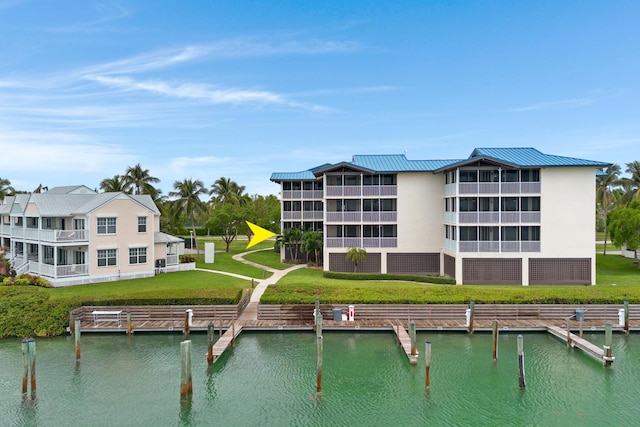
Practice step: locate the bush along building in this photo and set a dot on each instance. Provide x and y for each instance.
(74, 235)
(502, 216)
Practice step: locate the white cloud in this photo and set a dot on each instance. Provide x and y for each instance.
(553, 105)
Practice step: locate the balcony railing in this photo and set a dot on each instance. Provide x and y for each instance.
(344, 216)
(50, 235)
(58, 271)
(493, 246)
(495, 217)
(492, 188)
(365, 190)
(379, 216)
(361, 242)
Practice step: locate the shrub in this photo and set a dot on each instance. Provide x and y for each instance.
(185, 259)
(27, 280)
(379, 276)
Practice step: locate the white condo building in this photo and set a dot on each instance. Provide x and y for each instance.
(501, 216)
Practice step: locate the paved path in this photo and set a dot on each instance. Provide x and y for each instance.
(251, 310)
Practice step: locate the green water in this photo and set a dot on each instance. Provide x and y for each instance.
(269, 379)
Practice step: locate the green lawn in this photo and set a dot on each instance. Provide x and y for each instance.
(616, 279)
(268, 258)
(178, 283)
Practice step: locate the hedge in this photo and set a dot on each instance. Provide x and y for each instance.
(378, 276)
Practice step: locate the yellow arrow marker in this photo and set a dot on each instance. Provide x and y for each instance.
(259, 234)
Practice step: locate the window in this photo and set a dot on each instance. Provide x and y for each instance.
(530, 204)
(351, 205)
(107, 257)
(389, 231)
(531, 234)
(510, 175)
(489, 175)
(317, 185)
(335, 180)
(307, 185)
(78, 224)
(468, 204)
(142, 224)
(371, 179)
(286, 206)
(49, 224)
(371, 230)
(296, 206)
(371, 205)
(468, 176)
(388, 205)
(351, 230)
(468, 234)
(388, 180)
(489, 234)
(510, 234)
(106, 225)
(32, 222)
(530, 175)
(509, 204)
(352, 180)
(296, 185)
(307, 206)
(489, 204)
(286, 186)
(137, 255)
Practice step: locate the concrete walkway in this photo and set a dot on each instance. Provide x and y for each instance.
(251, 310)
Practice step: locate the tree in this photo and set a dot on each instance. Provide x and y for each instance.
(633, 183)
(312, 242)
(625, 227)
(6, 189)
(228, 219)
(605, 197)
(224, 191)
(114, 185)
(188, 193)
(139, 181)
(291, 239)
(356, 256)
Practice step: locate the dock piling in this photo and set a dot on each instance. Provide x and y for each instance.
(495, 341)
(319, 324)
(129, 324)
(77, 338)
(186, 323)
(427, 358)
(521, 379)
(608, 341)
(210, 331)
(626, 316)
(29, 365)
(412, 335)
(186, 384)
(472, 304)
(319, 366)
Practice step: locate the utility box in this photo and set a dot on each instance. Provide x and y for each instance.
(209, 252)
(579, 315)
(337, 314)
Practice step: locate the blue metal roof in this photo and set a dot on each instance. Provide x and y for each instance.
(530, 157)
(516, 157)
(398, 163)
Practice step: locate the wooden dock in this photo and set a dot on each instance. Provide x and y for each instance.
(584, 345)
(405, 341)
(226, 339)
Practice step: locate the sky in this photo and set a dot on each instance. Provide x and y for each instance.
(241, 89)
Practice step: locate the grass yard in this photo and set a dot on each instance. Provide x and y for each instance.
(617, 279)
(268, 258)
(178, 283)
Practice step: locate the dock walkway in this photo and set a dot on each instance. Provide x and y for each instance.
(584, 345)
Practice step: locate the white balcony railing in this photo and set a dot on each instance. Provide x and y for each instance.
(492, 188)
(50, 235)
(364, 242)
(59, 271)
(493, 246)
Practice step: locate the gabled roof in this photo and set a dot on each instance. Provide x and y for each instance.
(160, 237)
(522, 157)
(398, 163)
(71, 189)
(75, 202)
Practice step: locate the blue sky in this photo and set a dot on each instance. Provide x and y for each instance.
(241, 89)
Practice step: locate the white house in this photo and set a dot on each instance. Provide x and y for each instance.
(74, 235)
(501, 216)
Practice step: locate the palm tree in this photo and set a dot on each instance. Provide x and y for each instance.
(312, 242)
(114, 185)
(188, 193)
(356, 256)
(5, 188)
(605, 196)
(224, 191)
(140, 180)
(292, 238)
(633, 183)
